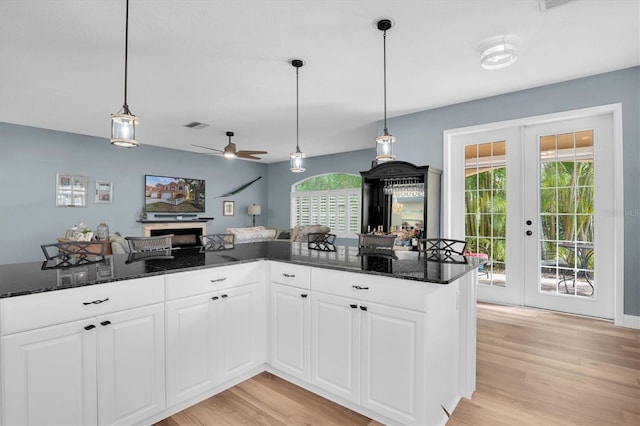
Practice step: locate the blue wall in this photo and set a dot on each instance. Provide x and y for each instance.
(420, 141)
(31, 157)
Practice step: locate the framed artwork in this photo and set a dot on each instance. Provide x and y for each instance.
(228, 208)
(71, 190)
(104, 192)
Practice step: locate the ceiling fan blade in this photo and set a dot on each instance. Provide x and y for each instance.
(249, 156)
(247, 152)
(206, 147)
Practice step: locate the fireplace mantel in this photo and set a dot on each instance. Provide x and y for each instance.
(149, 225)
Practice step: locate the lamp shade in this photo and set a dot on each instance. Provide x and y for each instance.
(384, 147)
(296, 162)
(123, 130)
(254, 210)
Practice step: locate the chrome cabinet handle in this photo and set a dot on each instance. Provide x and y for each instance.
(219, 280)
(289, 275)
(95, 302)
(357, 287)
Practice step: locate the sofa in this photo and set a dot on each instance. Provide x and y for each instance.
(254, 234)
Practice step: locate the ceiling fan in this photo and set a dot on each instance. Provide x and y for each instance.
(230, 151)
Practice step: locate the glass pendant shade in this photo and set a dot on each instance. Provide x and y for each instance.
(384, 147)
(123, 130)
(297, 162)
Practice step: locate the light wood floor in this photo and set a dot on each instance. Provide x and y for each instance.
(534, 368)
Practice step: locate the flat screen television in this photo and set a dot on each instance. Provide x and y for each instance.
(167, 194)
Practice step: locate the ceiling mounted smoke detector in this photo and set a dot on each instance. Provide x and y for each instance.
(498, 53)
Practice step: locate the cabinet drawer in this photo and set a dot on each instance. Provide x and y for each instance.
(373, 288)
(185, 284)
(290, 274)
(55, 307)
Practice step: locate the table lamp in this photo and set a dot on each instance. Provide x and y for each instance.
(254, 211)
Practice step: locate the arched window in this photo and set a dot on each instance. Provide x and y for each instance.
(331, 199)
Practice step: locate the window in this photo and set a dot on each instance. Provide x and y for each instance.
(331, 199)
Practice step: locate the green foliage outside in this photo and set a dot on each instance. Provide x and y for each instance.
(330, 181)
(566, 208)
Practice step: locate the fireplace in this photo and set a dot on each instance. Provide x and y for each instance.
(185, 234)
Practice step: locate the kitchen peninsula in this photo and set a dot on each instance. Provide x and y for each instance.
(128, 340)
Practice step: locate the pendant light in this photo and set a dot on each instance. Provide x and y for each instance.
(123, 124)
(384, 142)
(297, 158)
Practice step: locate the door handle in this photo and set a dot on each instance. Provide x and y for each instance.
(529, 233)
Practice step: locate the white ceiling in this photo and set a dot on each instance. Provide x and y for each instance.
(225, 63)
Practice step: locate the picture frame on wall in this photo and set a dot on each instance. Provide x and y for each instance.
(104, 192)
(71, 190)
(228, 208)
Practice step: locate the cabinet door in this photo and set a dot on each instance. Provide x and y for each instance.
(393, 358)
(290, 330)
(49, 375)
(192, 350)
(240, 330)
(335, 345)
(131, 365)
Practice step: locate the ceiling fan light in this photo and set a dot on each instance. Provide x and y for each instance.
(384, 147)
(123, 130)
(499, 53)
(297, 162)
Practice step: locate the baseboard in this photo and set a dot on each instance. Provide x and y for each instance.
(631, 321)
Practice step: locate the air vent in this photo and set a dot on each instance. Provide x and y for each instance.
(548, 4)
(196, 125)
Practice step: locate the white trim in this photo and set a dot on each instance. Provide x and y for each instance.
(620, 319)
(630, 321)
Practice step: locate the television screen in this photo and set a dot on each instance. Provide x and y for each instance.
(166, 194)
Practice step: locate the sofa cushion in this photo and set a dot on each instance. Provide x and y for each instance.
(300, 232)
(251, 234)
(119, 244)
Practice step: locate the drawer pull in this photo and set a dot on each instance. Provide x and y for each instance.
(219, 280)
(363, 308)
(95, 302)
(353, 306)
(289, 275)
(103, 323)
(214, 298)
(90, 327)
(224, 296)
(357, 287)
(304, 295)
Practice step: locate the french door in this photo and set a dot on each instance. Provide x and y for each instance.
(568, 217)
(535, 201)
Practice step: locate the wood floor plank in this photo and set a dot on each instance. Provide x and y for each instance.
(534, 368)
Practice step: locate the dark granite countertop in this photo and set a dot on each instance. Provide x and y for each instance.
(35, 277)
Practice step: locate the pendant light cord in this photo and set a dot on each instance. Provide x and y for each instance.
(384, 61)
(126, 59)
(297, 112)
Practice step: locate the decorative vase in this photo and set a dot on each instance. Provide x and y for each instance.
(102, 231)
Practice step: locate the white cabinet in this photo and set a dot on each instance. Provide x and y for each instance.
(392, 362)
(192, 348)
(241, 331)
(106, 369)
(131, 385)
(335, 343)
(213, 338)
(385, 344)
(369, 354)
(290, 330)
(50, 376)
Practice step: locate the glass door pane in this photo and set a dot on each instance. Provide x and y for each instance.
(566, 211)
(486, 209)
